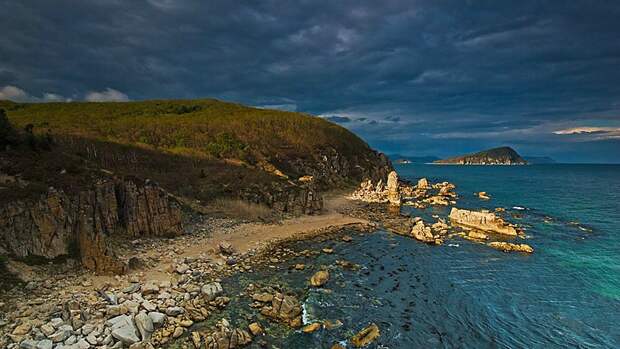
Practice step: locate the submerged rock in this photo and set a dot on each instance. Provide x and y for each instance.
(510, 247)
(365, 336)
(483, 195)
(485, 221)
(255, 328)
(319, 278)
(477, 235)
(313, 327)
(284, 308)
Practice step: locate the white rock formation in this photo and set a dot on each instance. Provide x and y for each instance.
(485, 221)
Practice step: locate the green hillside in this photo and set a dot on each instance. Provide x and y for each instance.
(207, 127)
(200, 148)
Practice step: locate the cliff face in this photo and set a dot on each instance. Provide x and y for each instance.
(200, 150)
(331, 168)
(495, 156)
(58, 224)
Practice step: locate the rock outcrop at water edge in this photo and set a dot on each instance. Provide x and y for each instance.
(393, 194)
(379, 193)
(422, 233)
(484, 221)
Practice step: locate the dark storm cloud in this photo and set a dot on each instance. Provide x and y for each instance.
(459, 75)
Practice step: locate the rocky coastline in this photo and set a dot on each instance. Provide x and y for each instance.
(181, 306)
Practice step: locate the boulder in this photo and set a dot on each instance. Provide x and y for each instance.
(150, 287)
(22, 329)
(157, 318)
(313, 327)
(123, 329)
(255, 328)
(226, 338)
(45, 344)
(422, 184)
(365, 336)
(319, 278)
(226, 248)
(284, 308)
(144, 324)
(484, 221)
(211, 290)
(422, 233)
(28, 344)
(174, 311)
(196, 339)
(483, 195)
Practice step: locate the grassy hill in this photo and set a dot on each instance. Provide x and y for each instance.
(206, 128)
(495, 156)
(199, 148)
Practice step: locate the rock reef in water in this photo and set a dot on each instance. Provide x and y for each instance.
(366, 336)
(484, 221)
(510, 247)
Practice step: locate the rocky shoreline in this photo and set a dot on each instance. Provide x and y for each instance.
(130, 312)
(182, 305)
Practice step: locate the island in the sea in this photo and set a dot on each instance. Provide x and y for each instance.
(407, 159)
(495, 156)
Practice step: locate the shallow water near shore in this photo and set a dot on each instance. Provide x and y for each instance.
(461, 294)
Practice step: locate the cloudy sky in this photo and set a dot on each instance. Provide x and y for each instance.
(412, 77)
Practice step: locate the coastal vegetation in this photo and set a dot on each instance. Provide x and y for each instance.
(201, 149)
(205, 128)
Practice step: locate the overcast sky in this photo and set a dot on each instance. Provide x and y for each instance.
(411, 77)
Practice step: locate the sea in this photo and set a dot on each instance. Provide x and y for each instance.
(466, 295)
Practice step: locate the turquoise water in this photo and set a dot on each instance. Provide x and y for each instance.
(464, 295)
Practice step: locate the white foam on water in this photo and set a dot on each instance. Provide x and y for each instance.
(520, 208)
(304, 314)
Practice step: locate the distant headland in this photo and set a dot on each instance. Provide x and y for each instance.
(495, 156)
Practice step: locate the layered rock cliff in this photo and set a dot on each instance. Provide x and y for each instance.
(331, 168)
(58, 224)
(296, 199)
